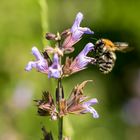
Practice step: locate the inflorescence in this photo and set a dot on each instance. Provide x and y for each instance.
(49, 63)
(77, 103)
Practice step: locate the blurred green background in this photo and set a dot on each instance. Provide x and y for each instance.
(23, 24)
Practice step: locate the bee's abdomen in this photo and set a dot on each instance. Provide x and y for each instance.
(106, 62)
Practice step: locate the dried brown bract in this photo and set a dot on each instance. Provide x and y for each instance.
(46, 106)
(66, 68)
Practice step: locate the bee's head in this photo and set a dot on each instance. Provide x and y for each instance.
(100, 42)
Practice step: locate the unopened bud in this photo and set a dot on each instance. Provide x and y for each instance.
(50, 36)
(65, 33)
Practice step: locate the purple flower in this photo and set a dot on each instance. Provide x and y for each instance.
(42, 66)
(76, 33)
(55, 69)
(88, 108)
(81, 61)
(40, 63)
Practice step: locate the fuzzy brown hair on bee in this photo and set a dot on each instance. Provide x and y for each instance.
(110, 46)
(105, 53)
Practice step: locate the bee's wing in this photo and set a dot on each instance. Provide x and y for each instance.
(122, 46)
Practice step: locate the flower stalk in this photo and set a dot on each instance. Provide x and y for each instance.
(59, 97)
(50, 63)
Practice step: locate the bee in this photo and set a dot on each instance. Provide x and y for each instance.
(105, 53)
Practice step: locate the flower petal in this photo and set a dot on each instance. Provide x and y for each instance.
(91, 102)
(54, 73)
(55, 68)
(36, 53)
(40, 63)
(76, 24)
(86, 49)
(86, 30)
(81, 61)
(78, 31)
(91, 110)
(42, 66)
(56, 59)
(30, 65)
(88, 108)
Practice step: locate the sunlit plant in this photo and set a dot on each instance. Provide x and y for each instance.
(50, 63)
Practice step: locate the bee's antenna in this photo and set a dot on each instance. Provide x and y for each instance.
(94, 38)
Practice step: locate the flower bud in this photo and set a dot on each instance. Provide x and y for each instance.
(50, 36)
(65, 33)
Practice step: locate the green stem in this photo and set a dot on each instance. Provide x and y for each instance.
(44, 19)
(59, 96)
(45, 27)
(60, 127)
